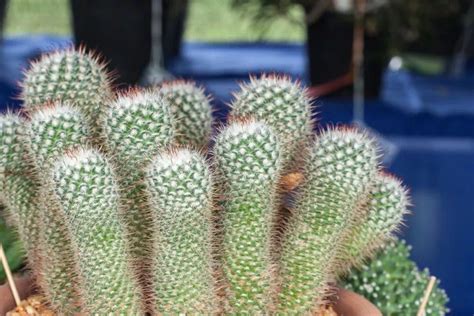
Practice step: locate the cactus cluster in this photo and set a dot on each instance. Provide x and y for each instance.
(395, 284)
(127, 206)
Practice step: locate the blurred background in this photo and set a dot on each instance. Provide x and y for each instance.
(403, 68)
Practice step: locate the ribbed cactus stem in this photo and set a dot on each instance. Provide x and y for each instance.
(138, 126)
(70, 76)
(282, 104)
(51, 131)
(247, 158)
(86, 188)
(192, 111)
(387, 204)
(339, 170)
(17, 187)
(181, 195)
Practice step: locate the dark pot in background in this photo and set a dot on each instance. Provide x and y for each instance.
(120, 31)
(329, 47)
(3, 9)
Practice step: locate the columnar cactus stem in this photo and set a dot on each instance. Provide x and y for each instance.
(86, 188)
(192, 112)
(138, 125)
(181, 195)
(247, 157)
(18, 190)
(388, 202)
(340, 167)
(51, 131)
(282, 104)
(71, 76)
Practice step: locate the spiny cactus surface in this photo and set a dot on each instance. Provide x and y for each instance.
(387, 204)
(339, 169)
(86, 188)
(192, 111)
(247, 156)
(71, 76)
(395, 285)
(181, 194)
(282, 104)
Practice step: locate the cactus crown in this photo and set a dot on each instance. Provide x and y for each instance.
(132, 223)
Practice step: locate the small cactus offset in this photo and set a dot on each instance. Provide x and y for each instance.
(338, 172)
(388, 202)
(282, 104)
(394, 283)
(71, 76)
(86, 188)
(181, 195)
(247, 158)
(126, 207)
(192, 112)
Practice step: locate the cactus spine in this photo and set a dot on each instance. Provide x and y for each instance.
(138, 125)
(388, 202)
(181, 194)
(71, 76)
(192, 112)
(339, 169)
(247, 156)
(85, 186)
(283, 105)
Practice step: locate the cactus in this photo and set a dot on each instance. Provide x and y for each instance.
(181, 194)
(71, 76)
(51, 131)
(87, 191)
(338, 172)
(388, 202)
(282, 104)
(137, 126)
(247, 157)
(395, 284)
(192, 111)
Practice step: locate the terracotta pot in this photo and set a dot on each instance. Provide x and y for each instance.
(346, 303)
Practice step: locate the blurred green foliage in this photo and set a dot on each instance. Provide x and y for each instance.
(13, 248)
(208, 20)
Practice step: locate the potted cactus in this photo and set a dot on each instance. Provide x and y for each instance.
(128, 203)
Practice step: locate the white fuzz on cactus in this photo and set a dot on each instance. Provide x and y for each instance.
(388, 203)
(138, 126)
(282, 104)
(12, 153)
(192, 111)
(339, 170)
(87, 191)
(247, 157)
(71, 76)
(180, 188)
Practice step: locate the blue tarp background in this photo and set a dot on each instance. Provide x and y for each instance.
(429, 119)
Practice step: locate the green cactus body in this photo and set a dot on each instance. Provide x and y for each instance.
(18, 189)
(283, 105)
(340, 167)
(247, 157)
(86, 188)
(180, 188)
(137, 126)
(51, 131)
(70, 76)
(388, 202)
(192, 111)
(394, 283)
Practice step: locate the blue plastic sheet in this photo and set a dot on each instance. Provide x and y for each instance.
(429, 119)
